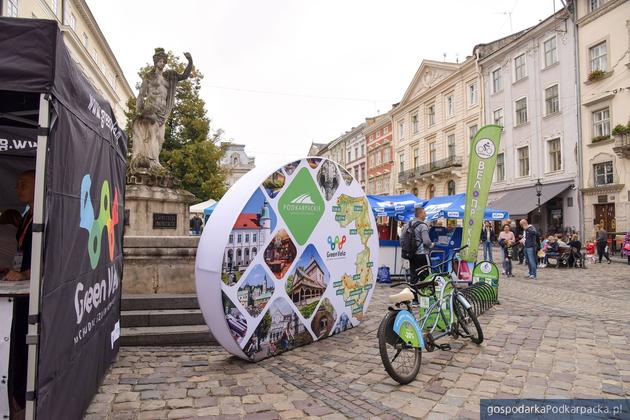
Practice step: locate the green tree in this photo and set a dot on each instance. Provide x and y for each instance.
(191, 150)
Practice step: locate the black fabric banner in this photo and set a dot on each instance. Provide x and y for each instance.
(80, 302)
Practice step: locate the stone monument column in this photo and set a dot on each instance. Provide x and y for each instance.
(159, 251)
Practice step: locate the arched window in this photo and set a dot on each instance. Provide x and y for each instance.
(430, 191)
(254, 252)
(451, 187)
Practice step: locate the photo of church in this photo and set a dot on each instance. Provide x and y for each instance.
(308, 281)
(255, 291)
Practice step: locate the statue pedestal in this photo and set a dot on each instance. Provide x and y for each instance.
(158, 249)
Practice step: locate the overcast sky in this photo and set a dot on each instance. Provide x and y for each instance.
(280, 74)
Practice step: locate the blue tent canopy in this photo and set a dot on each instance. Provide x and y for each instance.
(208, 211)
(452, 207)
(400, 207)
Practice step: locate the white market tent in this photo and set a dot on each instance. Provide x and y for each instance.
(200, 207)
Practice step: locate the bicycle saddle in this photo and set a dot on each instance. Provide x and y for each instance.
(405, 295)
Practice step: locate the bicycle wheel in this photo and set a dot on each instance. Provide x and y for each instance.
(401, 361)
(467, 321)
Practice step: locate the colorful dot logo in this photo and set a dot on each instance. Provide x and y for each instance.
(337, 243)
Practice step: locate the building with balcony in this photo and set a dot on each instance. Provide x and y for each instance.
(86, 43)
(529, 88)
(380, 155)
(432, 127)
(603, 28)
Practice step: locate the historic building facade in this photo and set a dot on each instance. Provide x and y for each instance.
(604, 69)
(432, 127)
(236, 162)
(355, 153)
(86, 43)
(380, 154)
(529, 88)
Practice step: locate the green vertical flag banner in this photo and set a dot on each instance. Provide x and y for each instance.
(483, 160)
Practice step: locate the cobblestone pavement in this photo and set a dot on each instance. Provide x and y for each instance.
(566, 334)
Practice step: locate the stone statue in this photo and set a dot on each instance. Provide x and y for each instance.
(154, 104)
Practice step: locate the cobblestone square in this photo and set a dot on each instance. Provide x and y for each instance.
(564, 335)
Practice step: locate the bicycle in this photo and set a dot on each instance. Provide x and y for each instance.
(401, 331)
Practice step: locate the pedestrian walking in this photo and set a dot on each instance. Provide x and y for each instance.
(530, 245)
(602, 243)
(487, 237)
(506, 242)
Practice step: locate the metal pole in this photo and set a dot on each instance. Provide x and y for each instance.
(36, 263)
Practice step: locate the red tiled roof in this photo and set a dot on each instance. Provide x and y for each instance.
(246, 221)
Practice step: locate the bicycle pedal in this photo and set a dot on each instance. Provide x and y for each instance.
(444, 347)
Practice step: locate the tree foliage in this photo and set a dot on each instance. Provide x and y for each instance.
(191, 150)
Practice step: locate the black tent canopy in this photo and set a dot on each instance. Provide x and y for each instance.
(52, 119)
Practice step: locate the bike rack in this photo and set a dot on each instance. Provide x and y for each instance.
(481, 296)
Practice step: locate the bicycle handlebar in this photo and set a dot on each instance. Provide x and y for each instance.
(455, 250)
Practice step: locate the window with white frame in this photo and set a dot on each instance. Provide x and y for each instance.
(12, 8)
(497, 116)
(432, 153)
(431, 115)
(450, 105)
(500, 167)
(414, 123)
(552, 100)
(520, 67)
(450, 140)
(601, 123)
(85, 40)
(555, 155)
(497, 82)
(72, 21)
(386, 130)
(356, 152)
(599, 57)
(416, 158)
(386, 155)
(386, 183)
(595, 4)
(401, 130)
(362, 150)
(362, 173)
(371, 159)
(378, 157)
(523, 161)
(473, 93)
(520, 108)
(402, 161)
(551, 51)
(349, 155)
(239, 238)
(603, 173)
(472, 130)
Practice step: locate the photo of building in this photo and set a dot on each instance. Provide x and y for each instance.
(274, 183)
(308, 281)
(280, 253)
(279, 331)
(249, 234)
(324, 319)
(256, 290)
(328, 179)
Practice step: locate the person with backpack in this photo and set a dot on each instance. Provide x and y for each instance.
(416, 245)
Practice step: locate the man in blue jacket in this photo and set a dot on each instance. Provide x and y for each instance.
(529, 242)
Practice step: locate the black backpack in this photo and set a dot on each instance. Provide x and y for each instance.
(408, 245)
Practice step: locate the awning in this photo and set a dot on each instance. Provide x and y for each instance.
(454, 206)
(400, 207)
(522, 201)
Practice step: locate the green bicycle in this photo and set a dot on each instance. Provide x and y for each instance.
(400, 335)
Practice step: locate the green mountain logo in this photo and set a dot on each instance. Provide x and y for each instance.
(301, 206)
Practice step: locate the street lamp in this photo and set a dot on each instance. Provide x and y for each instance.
(538, 192)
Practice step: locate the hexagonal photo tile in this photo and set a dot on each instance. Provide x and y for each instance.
(342, 325)
(324, 319)
(289, 168)
(279, 330)
(280, 254)
(314, 162)
(255, 290)
(237, 323)
(249, 234)
(345, 175)
(328, 179)
(308, 281)
(274, 183)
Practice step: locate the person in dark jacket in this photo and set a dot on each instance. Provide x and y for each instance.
(602, 243)
(421, 256)
(531, 246)
(487, 238)
(576, 249)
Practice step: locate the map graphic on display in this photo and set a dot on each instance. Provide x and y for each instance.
(297, 265)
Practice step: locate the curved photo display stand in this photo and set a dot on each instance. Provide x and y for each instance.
(288, 257)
